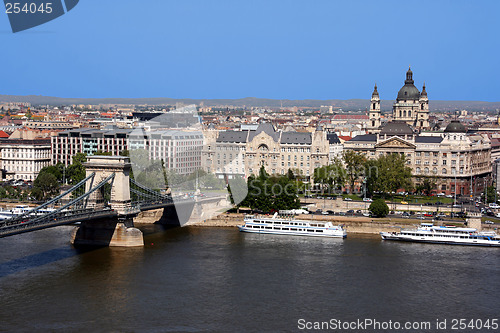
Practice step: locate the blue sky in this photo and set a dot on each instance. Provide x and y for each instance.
(270, 49)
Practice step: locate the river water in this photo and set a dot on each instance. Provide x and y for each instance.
(220, 280)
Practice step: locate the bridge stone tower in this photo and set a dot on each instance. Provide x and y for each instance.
(104, 166)
(112, 231)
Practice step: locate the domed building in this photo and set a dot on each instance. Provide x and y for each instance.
(455, 126)
(411, 106)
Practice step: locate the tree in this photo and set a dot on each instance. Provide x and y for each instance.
(490, 194)
(45, 186)
(372, 177)
(428, 185)
(388, 173)
(75, 172)
(79, 158)
(354, 163)
(55, 170)
(333, 175)
(103, 153)
(379, 208)
(271, 193)
(393, 172)
(262, 173)
(152, 176)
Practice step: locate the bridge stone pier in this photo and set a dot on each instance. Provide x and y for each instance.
(119, 230)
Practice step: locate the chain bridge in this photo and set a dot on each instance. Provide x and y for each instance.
(104, 203)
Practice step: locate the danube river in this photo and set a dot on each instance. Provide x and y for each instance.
(220, 280)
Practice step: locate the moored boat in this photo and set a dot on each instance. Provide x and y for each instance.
(290, 226)
(429, 233)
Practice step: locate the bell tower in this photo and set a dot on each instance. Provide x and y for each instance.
(374, 114)
(422, 121)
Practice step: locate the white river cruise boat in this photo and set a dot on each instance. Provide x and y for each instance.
(429, 233)
(289, 226)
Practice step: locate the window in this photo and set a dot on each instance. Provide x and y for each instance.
(443, 171)
(417, 170)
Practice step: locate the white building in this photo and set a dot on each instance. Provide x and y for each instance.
(23, 159)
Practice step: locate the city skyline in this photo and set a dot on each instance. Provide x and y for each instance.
(279, 50)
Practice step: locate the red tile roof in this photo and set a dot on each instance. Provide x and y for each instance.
(350, 117)
(3, 135)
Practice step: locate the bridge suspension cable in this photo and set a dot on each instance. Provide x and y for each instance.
(35, 210)
(56, 217)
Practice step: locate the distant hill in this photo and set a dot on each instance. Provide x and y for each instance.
(347, 105)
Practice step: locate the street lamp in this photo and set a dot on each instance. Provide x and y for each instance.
(364, 196)
(455, 194)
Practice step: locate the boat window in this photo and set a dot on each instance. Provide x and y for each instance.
(319, 230)
(310, 230)
(269, 227)
(293, 229)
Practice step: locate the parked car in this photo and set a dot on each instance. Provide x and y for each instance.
(347, 199)
(405, 215)
(350, 211)
(428, 215)
(494, 205)
(404, 202)
(489, 222)
(367, 200)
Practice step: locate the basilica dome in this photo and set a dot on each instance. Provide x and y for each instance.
(409, 91)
